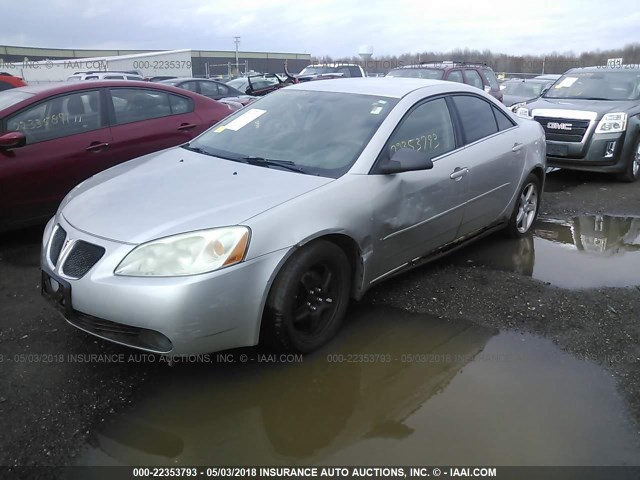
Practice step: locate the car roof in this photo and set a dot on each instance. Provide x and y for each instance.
(528, 80)
(185, 79)
(333, 65)
(601, 68)
(379, 86)
(444, 65)
(47, 89)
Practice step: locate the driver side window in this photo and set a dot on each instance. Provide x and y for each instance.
(426, 128)
(59, 117)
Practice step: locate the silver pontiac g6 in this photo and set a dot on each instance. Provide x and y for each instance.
(264, 227)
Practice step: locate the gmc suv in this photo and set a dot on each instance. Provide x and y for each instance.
(475, 74)
(591, 118)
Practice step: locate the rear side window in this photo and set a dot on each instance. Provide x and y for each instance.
(455, 76)
(504, 122)
(491, 77)
(114, 77)
(191, 86)
(209, 89)
(473, 78)
(59, 117)
(427, 128)
(135, 105)
(180, 104)
(355, 72)
(476, 115)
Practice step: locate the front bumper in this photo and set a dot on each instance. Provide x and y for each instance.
(591, 156)
(196, 314)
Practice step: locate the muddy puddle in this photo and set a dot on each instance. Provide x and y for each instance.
(392, 388)
(584, 252)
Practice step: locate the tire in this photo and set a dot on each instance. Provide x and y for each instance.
(526, 208)
(308, 299)
(632, 171)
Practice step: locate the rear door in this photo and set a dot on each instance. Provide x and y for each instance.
(493, 156)
(455, 76)
(147, 120)
(417, 212)
(68, 141)
(473, 78)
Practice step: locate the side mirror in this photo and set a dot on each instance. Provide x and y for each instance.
(12, 140)
(406, 160)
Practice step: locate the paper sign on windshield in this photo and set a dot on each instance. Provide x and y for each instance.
(567, 82)
(244, 119)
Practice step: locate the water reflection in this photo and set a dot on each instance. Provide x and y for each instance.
(393, 388)
(584, 252)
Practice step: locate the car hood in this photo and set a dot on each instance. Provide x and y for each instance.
(175, 191)
(510, 100)
(599, 106)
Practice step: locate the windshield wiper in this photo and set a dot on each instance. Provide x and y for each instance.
(266, 162)
(187, 146)
(580, 98)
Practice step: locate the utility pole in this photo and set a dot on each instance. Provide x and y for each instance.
(236, 40)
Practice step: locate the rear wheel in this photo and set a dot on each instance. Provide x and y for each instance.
(632, 172)
(526, 208)
(308, 299)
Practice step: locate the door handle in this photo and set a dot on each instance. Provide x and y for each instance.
(458, 173)
(516, 146)
(96, 146)
(187, 126)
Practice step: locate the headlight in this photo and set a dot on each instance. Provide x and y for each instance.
(523, 112)
(187, 254)
(514, 108)
(612, 122)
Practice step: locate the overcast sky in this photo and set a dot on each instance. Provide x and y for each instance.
(336, 28)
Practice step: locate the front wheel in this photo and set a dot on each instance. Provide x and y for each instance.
(526, 208)
(632, 171)
(308, 299)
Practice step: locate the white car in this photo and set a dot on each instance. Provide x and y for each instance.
(104, 76)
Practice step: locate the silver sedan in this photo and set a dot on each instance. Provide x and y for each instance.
(264, 227)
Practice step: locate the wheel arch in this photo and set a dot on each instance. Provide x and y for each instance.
(346, 243)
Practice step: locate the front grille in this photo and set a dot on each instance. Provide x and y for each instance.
(81, 258)
(578, 128)
(57, 241)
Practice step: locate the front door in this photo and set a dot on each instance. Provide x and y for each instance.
(417, 212)
(68, 141)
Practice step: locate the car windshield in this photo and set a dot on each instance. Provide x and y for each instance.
(523, 89)
(321, 133)
(599, 85)
(318, 70)
(413, 72)
(173, 81)
(9, 98)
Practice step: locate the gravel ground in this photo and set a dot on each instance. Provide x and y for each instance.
(49, 404)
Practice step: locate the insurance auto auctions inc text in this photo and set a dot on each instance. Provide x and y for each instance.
(350, 472)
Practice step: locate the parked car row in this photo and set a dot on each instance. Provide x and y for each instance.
(189, 235)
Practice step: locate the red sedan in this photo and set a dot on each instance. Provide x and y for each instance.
(8, 81)
(53, 137)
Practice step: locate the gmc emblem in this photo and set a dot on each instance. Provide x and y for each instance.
(559, 126)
